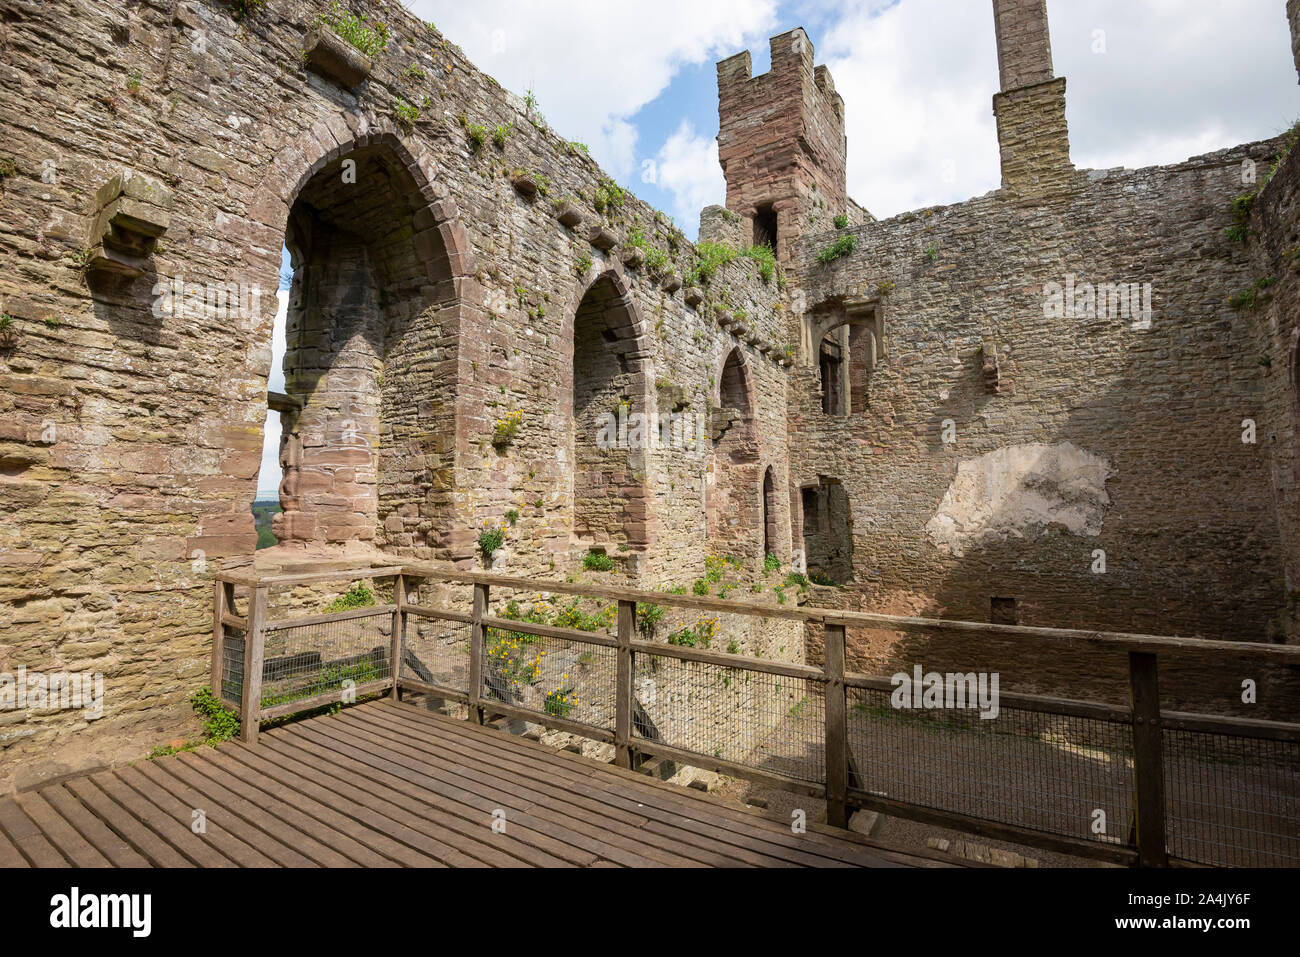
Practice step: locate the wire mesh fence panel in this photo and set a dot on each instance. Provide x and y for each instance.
(767, 722)
(436, 652)
(1059, 774)
(551, 676)
(302, 661)
(1232, 801)
(232, 667)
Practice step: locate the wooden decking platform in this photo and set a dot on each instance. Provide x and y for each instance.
(388, 784)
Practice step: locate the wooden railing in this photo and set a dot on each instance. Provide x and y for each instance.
(1147, 840)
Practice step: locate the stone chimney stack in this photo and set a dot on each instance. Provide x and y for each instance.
(1030, 110)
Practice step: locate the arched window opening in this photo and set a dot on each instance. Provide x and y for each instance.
(735, 518)
(770, 535)
(850, 346)
(610, 493)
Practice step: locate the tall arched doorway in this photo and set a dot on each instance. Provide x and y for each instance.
(362, 438)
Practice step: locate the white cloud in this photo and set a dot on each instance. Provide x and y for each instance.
(1178, 78)
(268, 478)
(687, 167)
(591, 63)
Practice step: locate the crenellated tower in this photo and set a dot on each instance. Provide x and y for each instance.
(781, 143)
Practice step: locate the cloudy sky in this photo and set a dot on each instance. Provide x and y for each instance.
(1149, 81)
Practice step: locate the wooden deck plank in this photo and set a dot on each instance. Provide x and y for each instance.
(142, 840)
(144, 780)
(389, 784)
(100, 836)
(568, 799)
(266, 813)
(220, 818)
(378, 794)
(446, 814)
(306, 814)
(33, 844)
(819, 840)
(172, 827)
(744, 834)
(375, 832)
(371, 809)
(70, 842)
(10, 855)
(600, 835)
(530, 831)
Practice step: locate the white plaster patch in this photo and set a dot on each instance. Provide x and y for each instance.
(1018, 492)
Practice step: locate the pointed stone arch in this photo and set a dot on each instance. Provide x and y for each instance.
(380, 265)
(612, 404)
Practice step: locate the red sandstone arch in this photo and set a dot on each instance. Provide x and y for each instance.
(424, 270)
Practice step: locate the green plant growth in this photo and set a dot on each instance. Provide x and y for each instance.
(8, 333)
(1243, 204)
(413, 72)
(597, 562)
(490, 539)
(477, 134)
(239, 9)
(699, 635)
(838, 249)
(841, 221)
(560, 702)
(771, 564)
(405, 113)
(501, 134)
(8, 168)
(505, 429)
(608, 196)
(583, 265)
(360, 595)
(370, 39)
(648, 619)
(1248, 298)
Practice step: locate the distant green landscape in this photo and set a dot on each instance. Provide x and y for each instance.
(263, 509)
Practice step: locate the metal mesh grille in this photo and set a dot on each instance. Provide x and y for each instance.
(232, 667)
(437, 652)
(302, 661)
(767, 722)
(1045, 772)
(555, 676)
(1232, 801)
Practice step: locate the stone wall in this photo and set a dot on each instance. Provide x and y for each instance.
(131, 437)
(1079, 432)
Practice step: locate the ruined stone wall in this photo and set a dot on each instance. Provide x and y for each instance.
(1274, 242)
(131, 441)
(1070, 434)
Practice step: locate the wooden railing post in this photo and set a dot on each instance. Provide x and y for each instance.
(477, 646)
(399, 634)
(1148, 760)
(837, 751)
(250, 701)
(623, 684)
(223, 594)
